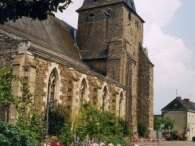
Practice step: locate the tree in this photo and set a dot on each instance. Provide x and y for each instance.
(142, 129)
(36, 9)
(163, 123)
(29, 128)
(6, 97)
(101, 126)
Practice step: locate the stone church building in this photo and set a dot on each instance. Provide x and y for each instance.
(102, 63)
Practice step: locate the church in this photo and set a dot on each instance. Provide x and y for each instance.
(103, 62)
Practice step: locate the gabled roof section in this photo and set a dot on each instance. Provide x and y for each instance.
(52, 34)
(179, 104)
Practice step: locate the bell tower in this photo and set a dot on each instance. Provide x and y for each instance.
(110, 33)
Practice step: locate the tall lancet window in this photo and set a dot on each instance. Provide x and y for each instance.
(51, 99)
(104, 99)
(83, 91)
(121, 104)
(52, 86)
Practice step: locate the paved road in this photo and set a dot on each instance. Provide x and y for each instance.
(171, 144)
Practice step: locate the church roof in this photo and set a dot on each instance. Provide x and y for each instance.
(52, 34)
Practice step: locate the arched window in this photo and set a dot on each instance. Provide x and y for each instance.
(83, 90)
(51, 99)
(52, 86)
(104, 97)
(121, 104)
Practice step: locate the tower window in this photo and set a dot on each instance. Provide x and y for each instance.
(130, 16)
(137, 24)
(90, 17)
(108, 12)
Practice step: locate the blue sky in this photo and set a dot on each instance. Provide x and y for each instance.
(170, 38)
(183, 23)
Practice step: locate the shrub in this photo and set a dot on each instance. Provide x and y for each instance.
(11, 135)
(142, 129)
(103, 126)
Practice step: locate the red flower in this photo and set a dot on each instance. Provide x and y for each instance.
(54, 144)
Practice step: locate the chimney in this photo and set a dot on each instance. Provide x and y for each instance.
(178, 97)
(187, 100)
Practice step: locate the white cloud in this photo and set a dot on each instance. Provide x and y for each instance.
(171, 56)
(158, 11)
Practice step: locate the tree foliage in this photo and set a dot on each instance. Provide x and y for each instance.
(28, 130)
(142, 129)
(6, 78)
(36, 9)
(13, 135)
(101, 126)
(163, 123)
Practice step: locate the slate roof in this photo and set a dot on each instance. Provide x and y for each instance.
(52, 34)
(91, 3)
(131, 4)
(179, 104)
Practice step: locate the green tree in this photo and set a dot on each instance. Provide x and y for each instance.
(142, 129)
(169, 124)
(6, 97)
(28, 129)
(36, 9)
(13, 135)
(163, 123)
(103, 126)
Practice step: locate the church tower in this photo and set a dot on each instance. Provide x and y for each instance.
(110, 35)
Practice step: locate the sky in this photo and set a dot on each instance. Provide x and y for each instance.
(169, 36)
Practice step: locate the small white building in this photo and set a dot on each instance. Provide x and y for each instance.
(182, 111)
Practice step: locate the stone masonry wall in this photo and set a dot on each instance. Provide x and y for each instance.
(37, 69)
(145, 92)
(132, 39)
(69, 89)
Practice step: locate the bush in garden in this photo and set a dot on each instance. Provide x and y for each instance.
(142, 129)
(101, 125)
(11, 135)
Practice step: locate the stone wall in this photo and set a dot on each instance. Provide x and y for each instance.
(36, 69)
(191, 125)
(69, 88)
(145, 92)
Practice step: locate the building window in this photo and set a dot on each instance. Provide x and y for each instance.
(83, 90)
(104, 98)
(52, 86)
(137, 24)
(51, 99)
(90, 17)
(129, 16)
(108, 12)
(121, 104)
